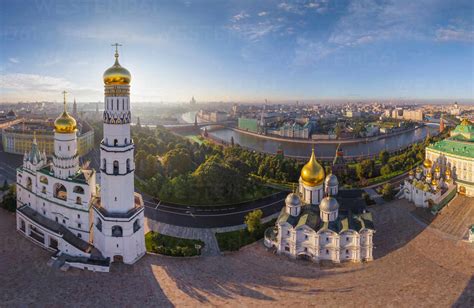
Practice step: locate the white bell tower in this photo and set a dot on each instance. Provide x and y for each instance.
(119, 214)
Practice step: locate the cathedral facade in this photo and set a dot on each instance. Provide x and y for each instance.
(59, 205)
(448, 168)
(314, 226)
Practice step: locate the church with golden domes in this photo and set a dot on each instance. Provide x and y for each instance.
(448, 168)
(59, 205)
(320, 222)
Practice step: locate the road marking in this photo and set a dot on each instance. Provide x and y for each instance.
(215, 215)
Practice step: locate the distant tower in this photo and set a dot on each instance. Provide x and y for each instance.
(65, 157)
(441, 125)
(97, 107)
(192, 102)
(138, 122)
(339, 163)
(119, 217)
(74, 108)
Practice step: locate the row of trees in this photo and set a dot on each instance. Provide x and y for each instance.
(177, 170)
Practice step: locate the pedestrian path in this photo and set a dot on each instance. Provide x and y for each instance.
(374, 196)
(207, 235)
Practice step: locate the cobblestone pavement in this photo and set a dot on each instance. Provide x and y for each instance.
(415, 265)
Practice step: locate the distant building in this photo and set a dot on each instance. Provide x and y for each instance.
(455, 110)
(248, 124)
(192, 102)
(18, 138)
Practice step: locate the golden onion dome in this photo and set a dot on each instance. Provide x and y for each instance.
(427, 163)
(448, 172)
(465, 122)
(437, 169)
(428, 175)
(434, 182)
(65, 124)
(312, 173)
(418, 169)
(116, 74)
(411, 172)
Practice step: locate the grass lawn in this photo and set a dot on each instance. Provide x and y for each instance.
(172, 246)
(234, 240)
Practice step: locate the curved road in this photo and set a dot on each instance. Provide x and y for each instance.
(210, 217)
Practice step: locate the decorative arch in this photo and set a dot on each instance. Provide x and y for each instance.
(29, 183)
(116, 167)
(78, 200)
(117, 231)
(78, 190)
(60, 191)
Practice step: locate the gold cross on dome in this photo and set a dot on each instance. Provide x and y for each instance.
(116, 48)
(64, 94)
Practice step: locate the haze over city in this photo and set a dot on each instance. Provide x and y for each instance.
(240, 51)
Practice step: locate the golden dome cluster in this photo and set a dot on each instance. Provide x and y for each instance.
(65, 124)
(312, 173)
(116, 74)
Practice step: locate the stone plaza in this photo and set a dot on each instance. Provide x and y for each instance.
(415, 264)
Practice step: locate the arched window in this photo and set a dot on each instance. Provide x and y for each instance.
(44, 179)
(78, 200)
(104, 164)
(116, 167)
(29, 183)
(123, 104)
(125, 141)
(117, 231)
(112, 104)
(115, 142)
(78, 190)
(43, 190)
(117, 104)
(60, 191)
(136, 226)
(128, 165)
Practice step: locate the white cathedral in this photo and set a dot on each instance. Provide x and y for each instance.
(59, 205)
(312, 225)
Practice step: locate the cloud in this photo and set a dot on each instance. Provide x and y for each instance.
(451, 33)
(14, 60)
(256, 31)
(261, 14)
(37, 87)
(302, 7)
(242, 15)
(308, 52)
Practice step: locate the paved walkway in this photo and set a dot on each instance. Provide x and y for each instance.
(207, 235)
(374, 196)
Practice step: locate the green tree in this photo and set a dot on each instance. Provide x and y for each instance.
(384, 156)
(387, 191)
(365, 169)
(177, 162)
(253, 220)
(385, 170)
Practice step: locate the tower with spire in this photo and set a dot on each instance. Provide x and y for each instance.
(119, 216)
(74, 108)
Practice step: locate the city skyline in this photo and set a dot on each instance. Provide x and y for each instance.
(240, 51)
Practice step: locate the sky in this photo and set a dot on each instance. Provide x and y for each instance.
(239, 50)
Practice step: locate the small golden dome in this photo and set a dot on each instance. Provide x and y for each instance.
(465, 122)
(411, 172)
(312, 173)
(434, 182)
(427, 163)
(65, 124)
(437, 169)
(448, 172)
(116, 74)
(428, 175)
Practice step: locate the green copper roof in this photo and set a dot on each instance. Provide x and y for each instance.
(454, 147)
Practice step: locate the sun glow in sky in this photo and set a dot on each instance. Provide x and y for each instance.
(239, 50)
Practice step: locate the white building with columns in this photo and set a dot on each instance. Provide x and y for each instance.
(59, 205)
(448, 168)
(313, 225)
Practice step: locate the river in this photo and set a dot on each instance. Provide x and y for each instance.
(322, 150)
